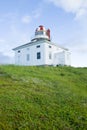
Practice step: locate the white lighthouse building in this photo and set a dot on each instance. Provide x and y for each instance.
(41, 51)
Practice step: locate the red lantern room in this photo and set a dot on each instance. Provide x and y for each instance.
(42, 33)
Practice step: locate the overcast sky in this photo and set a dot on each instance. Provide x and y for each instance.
(67, 20)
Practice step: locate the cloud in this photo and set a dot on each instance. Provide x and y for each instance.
(78, 60)
(77, 7)
(14, 37)
(26, 19)
(80, 13)
(3, 45)
(34, 15)
(81, 48)
(37, 13)
(4, 59)
(2, 40)
(78, 54)
(9, 17)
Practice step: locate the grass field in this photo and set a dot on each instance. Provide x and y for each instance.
(43, 98)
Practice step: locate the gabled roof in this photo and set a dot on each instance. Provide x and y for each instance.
(37, 42)
(27, 44)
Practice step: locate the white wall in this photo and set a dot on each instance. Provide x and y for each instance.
(21, 58)
(67, 58)
(58, 55)
(50, 48)
(62, 58)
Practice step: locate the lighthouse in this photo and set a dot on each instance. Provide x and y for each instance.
(41, 51)
(41, 33)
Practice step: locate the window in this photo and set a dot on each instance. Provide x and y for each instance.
(18, 51)
(28, 57)
(38, 55)
(39, 33)
(50, 55)
(38, 46)
(50, 46)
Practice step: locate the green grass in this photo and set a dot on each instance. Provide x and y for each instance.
(43, 98)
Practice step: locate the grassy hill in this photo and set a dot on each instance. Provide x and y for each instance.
(43, 98)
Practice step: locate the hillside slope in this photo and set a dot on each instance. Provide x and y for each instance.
(43, 98)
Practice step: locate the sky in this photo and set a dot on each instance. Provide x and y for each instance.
(67, 20)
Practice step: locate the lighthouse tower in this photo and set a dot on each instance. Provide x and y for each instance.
(41, 33)
(41, 51)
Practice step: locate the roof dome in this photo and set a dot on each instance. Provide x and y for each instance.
(40, 28)
(41, 33)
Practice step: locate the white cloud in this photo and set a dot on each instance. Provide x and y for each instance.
(4, 59)
(14, 38)
(82, 13)
(78, 60)
(26, 19)
(80, 48)
(78, 7)
(68, 5)
(36, 14)
(9, 17)
(2, 40)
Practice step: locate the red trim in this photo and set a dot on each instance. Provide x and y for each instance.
(48, 33)
(41, 27)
